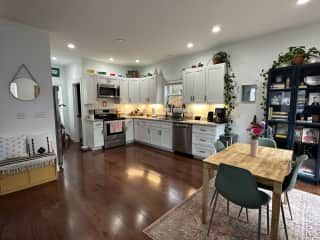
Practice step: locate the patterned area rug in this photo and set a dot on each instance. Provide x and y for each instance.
(184, 223)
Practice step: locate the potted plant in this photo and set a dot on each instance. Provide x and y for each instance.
(298, 54)
(255, 130)
(220, 57)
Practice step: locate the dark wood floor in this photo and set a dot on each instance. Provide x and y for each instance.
(103, 195)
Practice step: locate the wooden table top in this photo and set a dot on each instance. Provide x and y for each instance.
(271, 164)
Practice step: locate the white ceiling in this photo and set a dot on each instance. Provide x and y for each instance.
(153, 29)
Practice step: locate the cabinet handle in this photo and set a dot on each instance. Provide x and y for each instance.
(159, 132)
(202, 140)
(202, 130)
(205, 98)
(202, 151)
(190, 98)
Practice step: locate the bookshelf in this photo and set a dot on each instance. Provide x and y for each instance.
(293, 112)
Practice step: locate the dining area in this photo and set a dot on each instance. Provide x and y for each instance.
(252, 179)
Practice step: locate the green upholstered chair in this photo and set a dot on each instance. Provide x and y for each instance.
(289, 184)
(240, 187)
(267, 142)
(219, 146)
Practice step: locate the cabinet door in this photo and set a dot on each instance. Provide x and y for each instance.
(215, 83)
(98, 135)
(152, 90)
(89, 88)
(124, 90)
(156, 136)
(144, 88)
(166, 138)
(129, 131)
(188, 79)
(134, 90)
(199, 86)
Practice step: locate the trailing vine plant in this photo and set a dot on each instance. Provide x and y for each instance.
(229, 90)
(294, 56)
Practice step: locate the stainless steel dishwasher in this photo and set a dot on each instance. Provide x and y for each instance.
(182, 138)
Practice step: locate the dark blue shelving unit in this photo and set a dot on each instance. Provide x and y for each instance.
(294, 120)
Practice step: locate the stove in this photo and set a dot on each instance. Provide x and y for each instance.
(113, 128)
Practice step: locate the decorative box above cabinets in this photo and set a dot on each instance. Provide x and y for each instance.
(204, 85)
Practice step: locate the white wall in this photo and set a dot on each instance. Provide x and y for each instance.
(20, 44)
(103, 67)
(248, 58)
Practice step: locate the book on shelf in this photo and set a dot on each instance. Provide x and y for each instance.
(278, 86)
(281, 136)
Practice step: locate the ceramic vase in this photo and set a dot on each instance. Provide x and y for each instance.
(254, 147)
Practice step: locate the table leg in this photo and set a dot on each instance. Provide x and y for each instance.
(205, 191)
(276, 202)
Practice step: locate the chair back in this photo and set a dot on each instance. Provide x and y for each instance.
(238, 186)
(290, 180)
(219, 146)
(267, 142)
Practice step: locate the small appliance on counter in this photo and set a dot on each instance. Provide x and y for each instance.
(220, 115)
(210, 117)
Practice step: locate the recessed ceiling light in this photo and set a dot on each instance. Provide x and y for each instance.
(216, 29)
(301, 2)
(71, 46)
(53, 58)
(190, 45)
(111, 59)
(137, 60)
(120, 40)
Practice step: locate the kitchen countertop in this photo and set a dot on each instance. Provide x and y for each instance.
(195, 122)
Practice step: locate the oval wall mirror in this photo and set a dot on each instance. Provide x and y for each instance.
(23, 86)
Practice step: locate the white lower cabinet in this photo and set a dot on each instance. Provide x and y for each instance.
(129, 131)
(203, 139)
(155, 133)
(94, 134)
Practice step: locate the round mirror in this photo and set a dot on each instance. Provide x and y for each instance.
(23, 86)
(24, 89)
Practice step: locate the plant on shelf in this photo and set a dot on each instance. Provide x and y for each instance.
(296, 55)
(229, 95)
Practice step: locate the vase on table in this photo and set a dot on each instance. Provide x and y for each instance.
(254, 147)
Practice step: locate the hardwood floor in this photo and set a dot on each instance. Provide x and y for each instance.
(110, 194)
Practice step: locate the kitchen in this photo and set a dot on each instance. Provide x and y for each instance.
(171, 127)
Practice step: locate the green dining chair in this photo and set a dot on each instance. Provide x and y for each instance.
(240, 187)
(289, 183)
(219, 146)
(267, 142)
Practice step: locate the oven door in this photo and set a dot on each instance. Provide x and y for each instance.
(108, 91)
(107, 129)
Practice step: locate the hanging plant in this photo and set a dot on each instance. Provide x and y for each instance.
(229, 90)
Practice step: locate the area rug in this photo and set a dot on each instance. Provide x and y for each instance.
(184, 223)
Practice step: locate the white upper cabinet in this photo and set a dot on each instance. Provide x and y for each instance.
(152, 90)
(188, 83)
(144, 90)
(124, 90)
(204, 85)
(215, 83)
(199, 86)
(89, 89)
(134, 90)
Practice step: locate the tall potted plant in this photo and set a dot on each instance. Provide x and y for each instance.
(229, 97)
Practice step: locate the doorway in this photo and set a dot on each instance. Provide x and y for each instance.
(77, 111)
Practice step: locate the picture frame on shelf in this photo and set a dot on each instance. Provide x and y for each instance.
(310, 135)
(275, 98)
(285, 100)
(314, 99)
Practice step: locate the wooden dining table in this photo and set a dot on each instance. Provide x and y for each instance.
(270, 167)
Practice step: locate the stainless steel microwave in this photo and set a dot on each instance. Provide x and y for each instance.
(108, 91)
